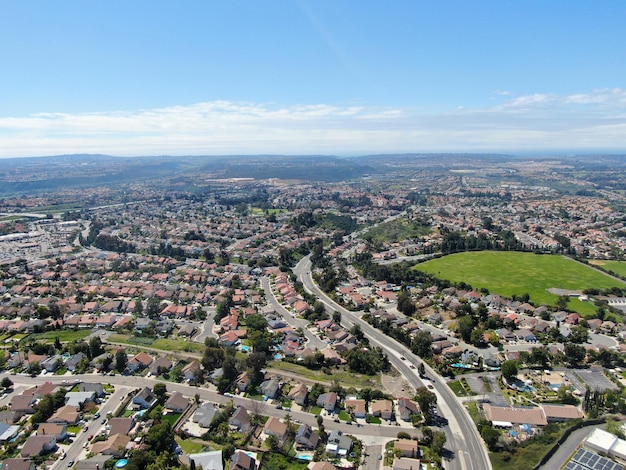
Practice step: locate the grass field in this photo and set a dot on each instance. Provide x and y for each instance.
(509, 273)
(174, 345)
(191, 446)
(65, 336)
(618, 267)
(343, 376)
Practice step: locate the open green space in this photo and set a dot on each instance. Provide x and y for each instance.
(515, 273)
(65, 336)
(618, 267)
(342, 375)
(191, 446)
(274, 460)
(396, 230)
(174, 345)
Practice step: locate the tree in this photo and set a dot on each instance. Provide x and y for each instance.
(121, 359)
(562, 302)
(426, 401)
(579, 334)
(509, 369)
(256, 322)
(421, 344)
(159, 390)
(421, 369)
(95, 347)
(465, 326)
(439, 440)
(256, 361)
(405, 303)
(337, 317)
(490, 436)
(574, 353)
(6, 382)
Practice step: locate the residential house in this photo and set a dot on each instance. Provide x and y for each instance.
(23, 403)
(321, 466)
(298, 394)
(145, 398)
(407, 408)
(242, 461)
(382, 409)
(192, 371)
(38, 445)
(270, 387)
(338, 445)
(66, 414)
(18, 464)
(96, 388)
(176, 403)
(211, 460)
(58, 430)
(72, 362)
(205, 413)
(407, 448)
(160, 365)
(275, 427)
(306, 438)
(240, 419)
(121, 425)
(78, 399)
(139, 362)
(243, 380)
(356, 407)
(328, 401)
(52, 363)
(115, 445)
(404, 463)
(97, 462)
(10, 417)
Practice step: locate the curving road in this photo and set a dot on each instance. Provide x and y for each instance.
(461, 433)
(312, 340)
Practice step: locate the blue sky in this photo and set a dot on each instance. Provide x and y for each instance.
(303, 77)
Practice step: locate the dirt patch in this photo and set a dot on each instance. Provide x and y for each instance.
(596, 262)
(397, 385)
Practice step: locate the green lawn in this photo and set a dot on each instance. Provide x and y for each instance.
(171, 418)
(618, 267)
(343, 375)
(459, 388)
(65, 336)
(174, 345)
(273, 461)
(372, 419)
(344, 416)
(190, 446)
(509, 273)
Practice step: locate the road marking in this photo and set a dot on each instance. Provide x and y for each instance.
(462, 459)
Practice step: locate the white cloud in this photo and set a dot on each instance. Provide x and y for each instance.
(589, 121)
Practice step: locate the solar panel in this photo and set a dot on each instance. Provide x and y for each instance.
(584, 459)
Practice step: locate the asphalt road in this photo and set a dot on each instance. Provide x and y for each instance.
(312, 340)
(124, 384)
(462, 436)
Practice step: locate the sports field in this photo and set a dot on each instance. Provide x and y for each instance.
(509, 273)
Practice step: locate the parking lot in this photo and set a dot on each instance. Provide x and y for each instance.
(593, 378)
